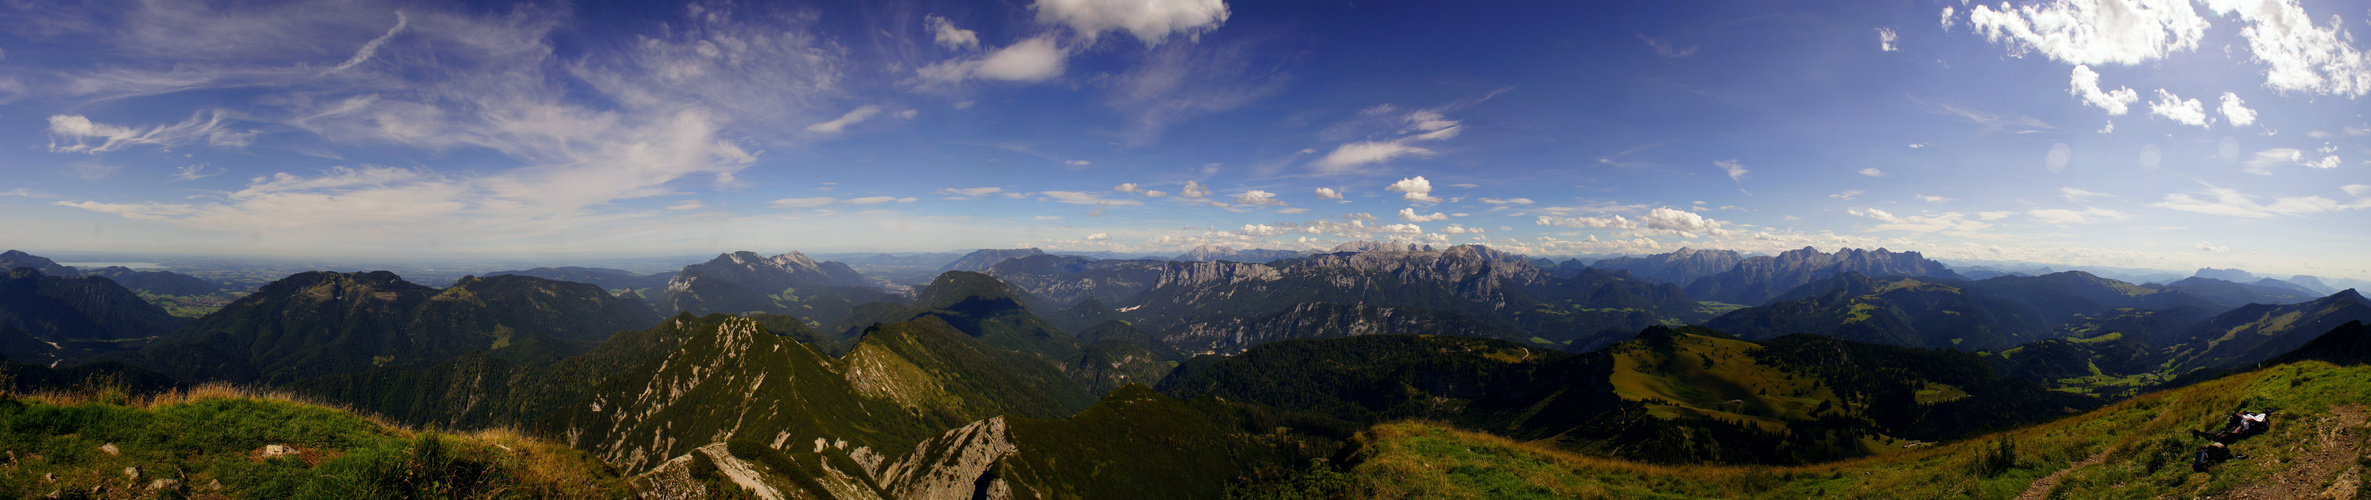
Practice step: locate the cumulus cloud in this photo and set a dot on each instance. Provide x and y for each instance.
(1410, 215)
(1329, 194)
(1871, 171)
(1995, 215)
(1257, 198)
(2085, 86)
(2093, 31)
(1416, 189)
(802, 202)
(1507, 201)
(1098, 236)
(949, 36)
(1193, 190)
(2079, 195)
(1032, 60)
(1128, 187)
(1263, 230)
(2186, 112)
(79, 134)
(1934, 199)
(2231, 202)
(1151, 21)
(2299, 55)
(2063, 217)
(1736, 170)
(2236, 112)
(687, 205)
(858, 115)
(1848, 194)
(1665, 220)
(1155, 193)
(1400, 229)
(2210, 247)
(872, 200)
(2356, 189)
(1457, 229)
(1885, 40)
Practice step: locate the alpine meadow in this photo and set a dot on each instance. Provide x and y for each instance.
(1185, 249)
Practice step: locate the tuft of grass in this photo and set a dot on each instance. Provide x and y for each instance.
(211, 441)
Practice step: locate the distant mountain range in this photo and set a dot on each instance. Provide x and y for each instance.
(1757, 280)
(1209, 253)
(1681, 268)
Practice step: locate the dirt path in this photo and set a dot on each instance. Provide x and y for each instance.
(2041, 487)
(2335, 449)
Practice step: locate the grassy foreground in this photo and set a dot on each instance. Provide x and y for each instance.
(224, 442)
(2135, 449)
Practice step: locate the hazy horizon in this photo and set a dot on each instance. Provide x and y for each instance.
(2149, 136)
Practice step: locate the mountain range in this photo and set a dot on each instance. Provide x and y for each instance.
(1756, 280)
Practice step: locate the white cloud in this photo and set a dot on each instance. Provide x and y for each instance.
(1665, 220)
(858, 115)
(1401, 229)
(1416, 188)
(1418, 125)
(2301, 56)
(2186, 112)
(1934, 199)
(2231, 202)
(372, 47)
(1033, 60)
(2079, 195)
(802, 202)
(871, 200)
(2063, 217)
(1151, 21)
(1192, 190)
(2211, 248)
(2236, 112)
(1871, 171)
(80, 131)
(978, 191)
(1263, 230)
(1508, 201)
(195, 172)
(2093, 31)
(688, 205)
(1848, 194)
(1084, 198)
(1329, 193)
(2356, 190)
(949, 36)
(1994, 215)
(1128, 187)
(1457, 229)
(2085, 86)
(1353, 154)
(1155, 193)
(1410, 215)
(2263, 161)
(1077, 163)
(1736, 170)
(1885, 40)
(1098, 236)
(1257, 198)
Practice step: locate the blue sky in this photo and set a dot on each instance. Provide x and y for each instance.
(2164, 134)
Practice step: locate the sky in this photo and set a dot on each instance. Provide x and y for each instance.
(2156, 133)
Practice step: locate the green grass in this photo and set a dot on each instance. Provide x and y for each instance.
(2142, 440)
(210, 442)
